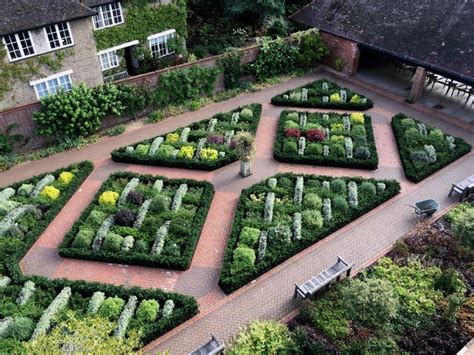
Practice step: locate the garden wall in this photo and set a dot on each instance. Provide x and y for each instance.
(22, 115)
(341, 48)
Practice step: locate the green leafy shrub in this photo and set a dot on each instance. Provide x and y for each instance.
(112, 242)
(262, 338)
(147, 311)
(83, 238)
(243, 260)
(314, 149)
(449, 282)
(463, 227)
(160, 203)
(111, 307)
(313, 218)
(142, 149)
(337, 151)
(246, 114)
(249, 236)
(312, 201)
(311, 48)
(21, 329)
(362, 153)
(290, 147)
(340, 203)
(339, 186)
(367, 188)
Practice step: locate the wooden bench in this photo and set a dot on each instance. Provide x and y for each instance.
(212, 347)
(463, 188)
(323, 279)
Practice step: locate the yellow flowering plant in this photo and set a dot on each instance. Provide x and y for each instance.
(65, 177)
(172, 137)
(186, 152)
(109, 198)
(357, 117)
(209, 154)
(335, 98)
(50, 192)
(337, 139)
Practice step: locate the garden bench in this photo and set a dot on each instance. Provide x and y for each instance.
(213, 346)
(463, 188)
(323, 279)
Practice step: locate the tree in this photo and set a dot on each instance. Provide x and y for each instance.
(259, 10)
(89, 335)
(245, 151)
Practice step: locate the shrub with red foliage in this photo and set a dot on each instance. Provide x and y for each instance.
(292, 133)
(315, 135)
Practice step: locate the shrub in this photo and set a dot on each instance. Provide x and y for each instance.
(285, 183)
(112, 242)
(335, 98)
(291, 124)
(108, 198)
(249, 236)
(312, 48)
(292, 117)
(412, 137)
(186, 152)
(215, 139)
(290, 147)
(209, 154)
(135, 198)
(267, 337)
(20, 329)
(124, 218)
(339, 186)
(362, 153)
(160, 203)
(65, 177)
(312, 201)
(420, 156)
(358, 131)
(338, 151)
(147, 311)
(96, 217)
(367, 188)
(142, 149)
(337, 139)
(50, 192)
(280, 233)
(355, 99)
(357, 118)
(340, 203)
(315, 135)
(243, 261)
(111, 307)
(165, 151)
(408, 122)
(314, 149)
(463, 227)
(83, 239)
(313, 218)
(172, 137)
(246, 114)
(449, 282)
(292, 133)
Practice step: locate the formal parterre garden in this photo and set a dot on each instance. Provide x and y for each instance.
(32, 308)
(206, 145)
(141, 219)
(425, 149)
(323, 94)
(345, 140)
(418, 299)
(282, 215)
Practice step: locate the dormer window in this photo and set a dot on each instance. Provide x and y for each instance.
(108, 15)
(59, 35)
(19, 45)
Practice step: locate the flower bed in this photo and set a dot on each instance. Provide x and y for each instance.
(326, 139)
(29, 206)
(425, 149)
(205, 145)
(323, 94)
(149, 312)
(284, 214)
(141, 219)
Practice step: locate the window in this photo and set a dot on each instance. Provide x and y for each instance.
(159, 43)
(52, 84)
(109, 60)
(108, 15)
(59, 35)
(19, 45)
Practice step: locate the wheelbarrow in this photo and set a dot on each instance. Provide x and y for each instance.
(426, 208)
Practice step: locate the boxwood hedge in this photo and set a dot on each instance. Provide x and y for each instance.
(413, 136)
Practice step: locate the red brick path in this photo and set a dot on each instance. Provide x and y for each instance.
(270, 295)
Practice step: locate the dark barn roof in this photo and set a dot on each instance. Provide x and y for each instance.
(438, 35)
(22, 15)
(93, 3)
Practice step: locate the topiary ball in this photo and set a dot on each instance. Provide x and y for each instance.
(135, 198)
(124, 218)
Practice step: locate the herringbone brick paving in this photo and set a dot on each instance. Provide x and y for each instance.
(270, 295)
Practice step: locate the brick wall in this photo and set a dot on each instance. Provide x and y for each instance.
(23, 115)
(343, 49)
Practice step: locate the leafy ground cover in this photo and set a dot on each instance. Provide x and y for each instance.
(282, 215)
(326, 139)
(205, 145)
(141, 219)
(323, 94)
(425, 149)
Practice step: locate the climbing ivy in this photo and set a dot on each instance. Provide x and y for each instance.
(28, 69)
(142, 21)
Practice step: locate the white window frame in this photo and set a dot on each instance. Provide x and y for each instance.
(46, 81)
(112, 60)
(17, 38)
(59, 36)
(100, 14)
(156, 36)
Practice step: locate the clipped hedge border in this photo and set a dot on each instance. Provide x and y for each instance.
(279, 101)
(229, 283)
(186, 306)
(121, 156)
(409, 169)
(132, 258)
(85, 168)
(370, 164)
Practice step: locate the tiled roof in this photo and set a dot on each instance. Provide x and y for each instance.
(93, 3)
(22, 15)
(438, 36)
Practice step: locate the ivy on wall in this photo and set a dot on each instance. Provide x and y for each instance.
(142, 21)
(28, 69)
